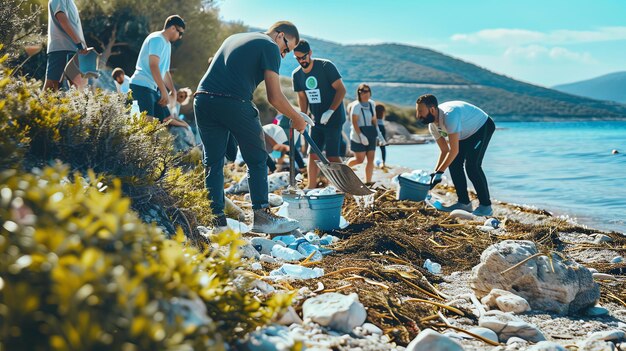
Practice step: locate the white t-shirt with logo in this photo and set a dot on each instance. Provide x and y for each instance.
(458, 117)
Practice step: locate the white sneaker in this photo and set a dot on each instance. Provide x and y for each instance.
(483, 211)
(457, 206)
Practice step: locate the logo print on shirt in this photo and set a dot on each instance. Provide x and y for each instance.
(311, 83)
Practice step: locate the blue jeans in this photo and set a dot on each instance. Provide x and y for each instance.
(218, 118)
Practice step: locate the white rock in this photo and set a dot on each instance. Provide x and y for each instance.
(461, 214)
(609, 335)
(596, 345)
(516, 340)
(275, 200)
(523, 330)
(603, 276)
(596, 311)
(372, 329)
(507, 326)
(547, 346)
(267, 259)
(484, 332)
(430, 340)
(290, 317)
(506, 301)
(248, 251)
(336, 311)
(512, 303)
(567, 289)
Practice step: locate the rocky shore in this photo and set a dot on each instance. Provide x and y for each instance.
(526, 281)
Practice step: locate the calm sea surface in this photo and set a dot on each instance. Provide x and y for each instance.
(564, 167)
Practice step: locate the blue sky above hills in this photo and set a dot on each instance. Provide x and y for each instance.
(542, 42)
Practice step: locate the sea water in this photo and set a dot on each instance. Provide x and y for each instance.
(567, 168)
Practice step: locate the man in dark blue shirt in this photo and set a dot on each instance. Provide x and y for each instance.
(223, 106)
(321, 91)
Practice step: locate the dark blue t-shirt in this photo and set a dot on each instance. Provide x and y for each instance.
(317, 85)
(239, 65)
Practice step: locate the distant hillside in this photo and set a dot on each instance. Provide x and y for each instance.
(610, 87)
(398, 74)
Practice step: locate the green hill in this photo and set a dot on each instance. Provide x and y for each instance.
(398, 74)
(607, 87)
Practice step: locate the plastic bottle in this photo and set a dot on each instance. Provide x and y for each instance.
(328, 239)
(296, 271)
(305, 248)
(134, 108)
(312, 238)
(285, 239)
(286, 254)
(432, 267)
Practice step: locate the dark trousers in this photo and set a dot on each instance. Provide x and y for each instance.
(383, 149)
(471, 153)
(218, 118)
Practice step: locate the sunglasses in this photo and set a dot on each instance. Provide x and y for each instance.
(301, 58)
(286, 50)
(180, 34)
(364, 91)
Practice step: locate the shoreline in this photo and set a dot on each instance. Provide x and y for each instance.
(403, 234)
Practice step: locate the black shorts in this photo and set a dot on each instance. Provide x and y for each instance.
(57, 60)
(327, 139)
(371, 134)
(148, 100)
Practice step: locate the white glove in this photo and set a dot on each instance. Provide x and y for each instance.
(382, 141)
(326, 116)
(307, 119)
(381, 138)
(363, 139)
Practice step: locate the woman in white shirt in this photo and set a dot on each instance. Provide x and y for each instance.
(364, 131)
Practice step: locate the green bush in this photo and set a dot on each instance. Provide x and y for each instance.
(94, 130)
(80, 271)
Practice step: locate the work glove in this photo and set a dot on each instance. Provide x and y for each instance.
(307, 119)
(435, 178)
(363, 139)
(326, 116)
(382, 141)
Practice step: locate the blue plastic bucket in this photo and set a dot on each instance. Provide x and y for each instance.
(315, 212)
(412, 190)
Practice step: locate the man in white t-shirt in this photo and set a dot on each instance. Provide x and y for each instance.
(468, 130)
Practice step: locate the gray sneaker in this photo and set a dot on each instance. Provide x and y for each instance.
(483, 211)
(457, 206)
(265, 221)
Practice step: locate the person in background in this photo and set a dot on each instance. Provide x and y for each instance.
(284, 124)
(380, 118)
(152, 78)
(65, 38)
(122, 81)
(321, 91)
(364, 132)
(275, 144)
(223, 107)
(468, 130)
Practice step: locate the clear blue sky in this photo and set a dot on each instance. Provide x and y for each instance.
(544, 42)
